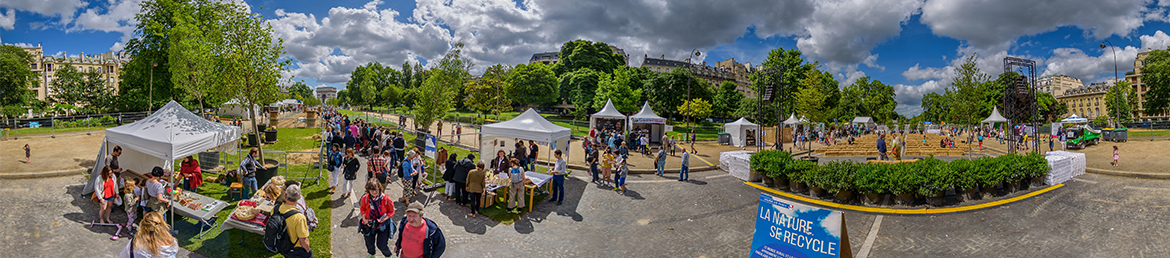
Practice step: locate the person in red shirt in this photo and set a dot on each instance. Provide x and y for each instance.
(377, 212)
(192, 175)
(107, 194)
(418, 236)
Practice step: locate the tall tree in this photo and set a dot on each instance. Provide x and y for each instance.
(727, 99)
(194, 41)
(435, 97)
(85, 90)
(300, 89)
(964, 92)
(582, 85)
(1121, 100)
(695, 109)
(617, 88)
(490, 92)
(531, 84)
(17, 75)
(1156, 74)
(751, 107)
(670, 89)
(143, 84)
(811, 98)
(580, 54)
(866, 97)
(793, 67)
(391, 95)
(251, 58)
(935, 107)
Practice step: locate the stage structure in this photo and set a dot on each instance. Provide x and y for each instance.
(1019, 102)
(774, 88)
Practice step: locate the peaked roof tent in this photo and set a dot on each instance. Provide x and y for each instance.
(995, 117)
(646, 116)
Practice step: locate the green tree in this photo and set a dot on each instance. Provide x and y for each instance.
(138, 89)
(580, 54)
(1048, 108)
(435, 97)
(194, 41)
(251, 59)
(489, 93)
(1156, 74)
(391, 95)
(964, 92)
(866, 97)
(617, 88)
(299, 88)
(582, 85)
(670, 89)
(935, 107)
(530, 84)
(17, 76)
(750, 107)
(1123, 105)
(86, 91)
(695, 108)
(793, 67)
(727, 99)
(811, 98)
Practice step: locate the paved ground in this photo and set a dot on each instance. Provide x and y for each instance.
(47, 218)
(51, 154)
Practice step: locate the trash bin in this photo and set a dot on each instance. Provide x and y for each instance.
(1121, 135)
(724, 138)
(262, 175)
(1107, 134)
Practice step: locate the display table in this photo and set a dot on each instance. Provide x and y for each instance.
(198, 207)
(538, 180)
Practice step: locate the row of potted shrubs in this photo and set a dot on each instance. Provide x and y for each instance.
(928, 177)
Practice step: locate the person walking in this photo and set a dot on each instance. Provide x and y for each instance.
(591, 159)
(1116, 156)
(350, 165)
(606, 164)
(476, 186)
(694, 138)
(684, 172)
(516, 190)
(248, 168)
(378, 218)
(460, 177)
(673, 144)
(335, 167)
(27, 154)
(153, 239)
(558, 172)
(881, 147)
(419, 237)
(620, 181)
(297, 223)
(660, 161)
(533, 149)
(376, 167)
(447, 167)
(107, 195)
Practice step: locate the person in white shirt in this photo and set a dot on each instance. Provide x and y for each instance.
(558, 172)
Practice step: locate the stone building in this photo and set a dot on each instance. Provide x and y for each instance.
(726, 70)
(1086, 101)
(1056, 84)
(108, 64)
(1135, 79)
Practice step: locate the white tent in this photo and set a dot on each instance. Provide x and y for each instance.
(647, 119)
(608, 113)
(995, 116)
(792, 120)
(739, 131)
(527, 126)
(1074, 119)
(863, 120)
(171, 133)
(235, 108)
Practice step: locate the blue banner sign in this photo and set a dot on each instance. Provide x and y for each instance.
(791, 230)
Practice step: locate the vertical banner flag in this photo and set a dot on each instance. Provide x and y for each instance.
(792, 230)
(431, 146)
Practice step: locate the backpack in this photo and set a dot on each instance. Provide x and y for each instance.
(276, 237)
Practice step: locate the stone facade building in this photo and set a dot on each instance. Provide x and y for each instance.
(1086, 101)
(726, 70)
(1139, 86)
(108, 64)
(1056, 84)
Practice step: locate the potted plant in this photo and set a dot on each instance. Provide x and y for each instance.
(870, 182)
(989, 175)
(1039, 169)
(938, 179)
(964, 179)
(838, 178)
(799, 175)
(758, 163)
(1013, 172)
(817, 180)
(905, 181)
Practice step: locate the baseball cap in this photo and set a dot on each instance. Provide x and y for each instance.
(415, 207)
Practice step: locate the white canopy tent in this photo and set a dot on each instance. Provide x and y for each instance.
(739, 130)
(647, 119)
(527, 126)
(995, 116)
(171, 133)
(1074, 119)
(792, 120)
(607, 113)
(235, 108)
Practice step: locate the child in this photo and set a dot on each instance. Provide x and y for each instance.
(26, 154)
(620, 181)
(129, 200)
(1116, 155)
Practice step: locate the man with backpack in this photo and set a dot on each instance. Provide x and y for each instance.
(287, 231)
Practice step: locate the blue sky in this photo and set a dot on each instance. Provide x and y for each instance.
(911, 44)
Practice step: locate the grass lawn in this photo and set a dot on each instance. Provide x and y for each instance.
(1147, 133)
(293, 139)
(217, 243)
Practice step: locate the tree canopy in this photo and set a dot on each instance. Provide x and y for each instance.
(1156, 74)
(87, 91)
(437, 94)
(621, 89)
(17, 75)
(531, 84)
(578, 54)
(489, 93)
(670, 89)
(1121, 100)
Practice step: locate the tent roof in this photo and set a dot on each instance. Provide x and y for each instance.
(608, 112)
(792, 120)
(995, 116)
(863, 120)
(172, 132)
(1074, 119)
(646, 112)
(529, 126)
(742, 121)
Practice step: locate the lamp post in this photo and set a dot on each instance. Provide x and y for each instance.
(690, 81)
(1117, 98)
(150, 104)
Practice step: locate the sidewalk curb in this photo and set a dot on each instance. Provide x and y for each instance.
(59, 173)
(636, 171)
(1130, 174)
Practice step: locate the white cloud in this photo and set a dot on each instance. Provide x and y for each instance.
(117, 17)
(1076, 63)
(915, 73)
(21, 44)
(988, 22)
(63, 9)
(1157, 41)
(7, 21)
(844, 32)
(909, 97)
(832, 224)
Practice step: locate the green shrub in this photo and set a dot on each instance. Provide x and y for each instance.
(838, 176)
(106, 120)
(871, 178)
(964, 174)
(904, 179)
(937, 176)
(1036, 165)
(771, 162)
(801, 171)
(989, 171)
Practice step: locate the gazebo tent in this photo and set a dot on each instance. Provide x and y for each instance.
(171, 133)
(792, 120)
(1074, 119)
(739, 131)
(647, 119)
(995, 116)
(235, 108)
(863, 120)
(607, 113)
(527, 126)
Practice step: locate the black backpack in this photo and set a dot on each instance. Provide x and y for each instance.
(276, 237)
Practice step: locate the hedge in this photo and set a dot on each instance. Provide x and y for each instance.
(926, 177)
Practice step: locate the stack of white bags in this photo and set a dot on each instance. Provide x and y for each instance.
(738, 164)
(1065, 165)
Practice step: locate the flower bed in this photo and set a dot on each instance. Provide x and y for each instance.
(926, 178)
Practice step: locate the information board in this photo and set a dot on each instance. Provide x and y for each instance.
(792, 230)
(431, 147)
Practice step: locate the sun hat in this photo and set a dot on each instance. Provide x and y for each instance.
(415, 207)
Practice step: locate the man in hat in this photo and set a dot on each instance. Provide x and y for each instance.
(418, 236)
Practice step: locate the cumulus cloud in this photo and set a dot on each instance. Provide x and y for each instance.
(1157, 41)
(984, 23)
(837, 34)
(117, 17)
(909, 97)
(8, 20)
(1097, 65)
(63, 9)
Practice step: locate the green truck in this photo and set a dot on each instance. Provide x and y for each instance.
(1081, 137)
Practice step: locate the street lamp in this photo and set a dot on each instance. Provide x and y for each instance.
(1117, 98)
(689, 82)
(150, 105)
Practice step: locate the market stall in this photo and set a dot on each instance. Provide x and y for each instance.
(995, 117)
(647, 119)
(742, 131)
(608, 118)
(528, 126)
